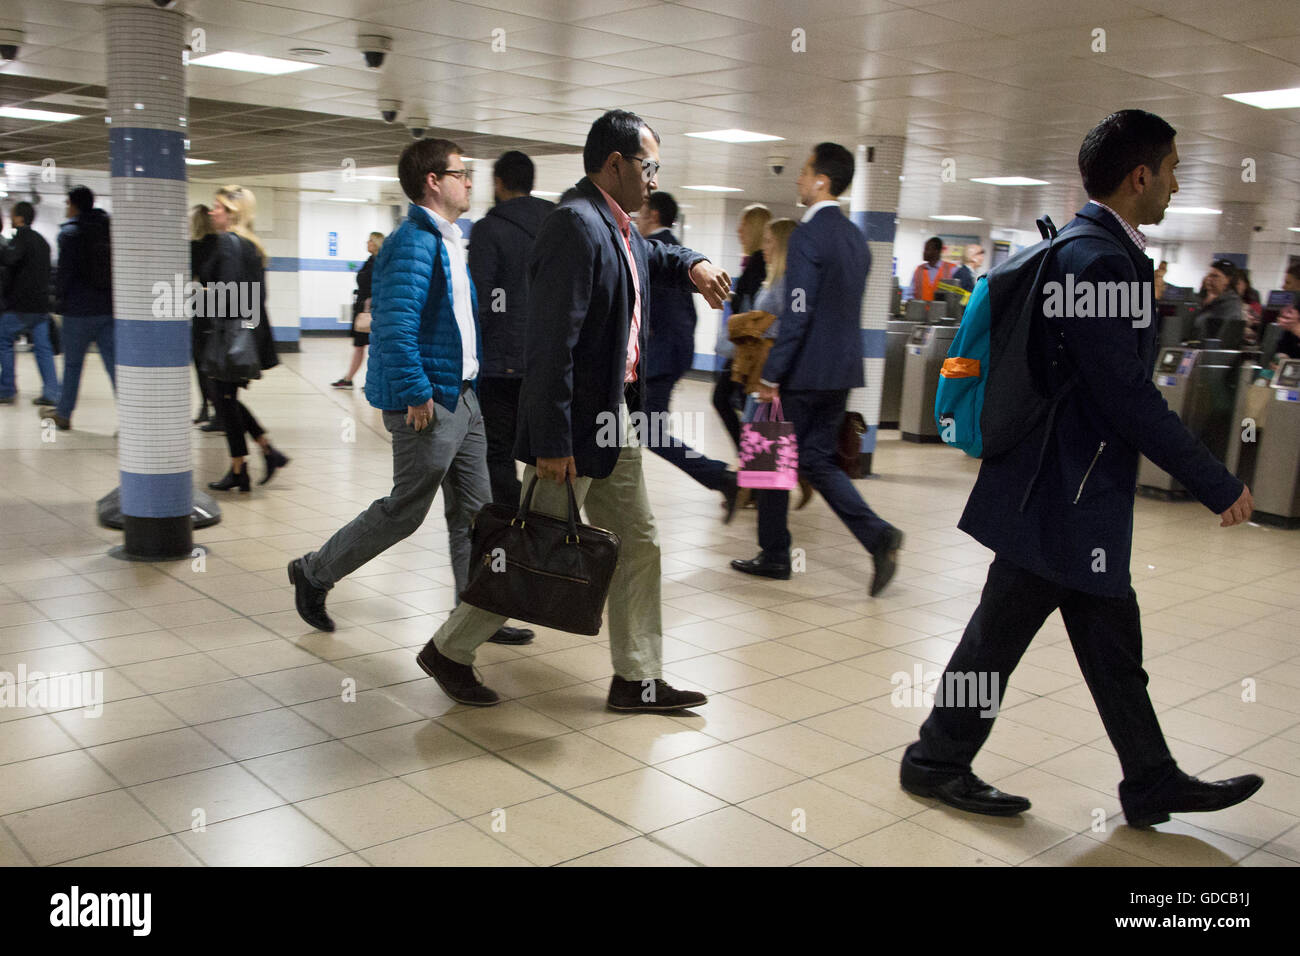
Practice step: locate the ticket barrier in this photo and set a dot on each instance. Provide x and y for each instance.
(926, 350)
(1199, 385)
(1274, 478)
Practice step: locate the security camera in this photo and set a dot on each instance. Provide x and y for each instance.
(776, 164)
(1258, 228)
(10, 41)
(164, 4)
(388, 109)
(374, 48)
(418, 125)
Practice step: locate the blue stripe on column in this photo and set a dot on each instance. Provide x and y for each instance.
(285, 333)
(291, 264)
(156, 496)
(153, 343)
(873, 343)
(869, 440)
(146, 153)
(321, 323)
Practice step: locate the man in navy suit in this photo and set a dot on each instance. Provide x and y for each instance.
(1057, 510)
(670, 349)
(817, 358)
(590, 275)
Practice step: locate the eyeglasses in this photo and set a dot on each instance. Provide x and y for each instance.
(649, 167)
(464, 174)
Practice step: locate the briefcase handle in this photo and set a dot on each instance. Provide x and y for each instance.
(572, 536)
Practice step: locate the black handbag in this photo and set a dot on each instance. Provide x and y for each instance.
(541, 569)
(230, 353)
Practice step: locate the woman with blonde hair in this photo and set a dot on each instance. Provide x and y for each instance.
(236, 278)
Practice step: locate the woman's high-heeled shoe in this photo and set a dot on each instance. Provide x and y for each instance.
(233, 479)
(274, 459)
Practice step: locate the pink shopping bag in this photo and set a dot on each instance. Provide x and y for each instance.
(769, 452)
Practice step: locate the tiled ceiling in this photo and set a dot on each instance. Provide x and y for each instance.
(1003, 87)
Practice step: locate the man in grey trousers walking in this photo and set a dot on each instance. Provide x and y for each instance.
(424, 362)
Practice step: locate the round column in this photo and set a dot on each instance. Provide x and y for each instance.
(873, 206)
(146, 101)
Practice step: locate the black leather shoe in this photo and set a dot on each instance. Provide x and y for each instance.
(650, 696)
(963, 792)
(805, 492)
(763, 567)
(309, 600)
(274, 459)
(216, 425)
(1184, 794)
(885, 558)
(232, 479)
(512, 635)
(730, 494)
(458, 681)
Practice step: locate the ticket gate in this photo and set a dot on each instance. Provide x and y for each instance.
(1176, 327)
(1199, 385)
(1242, 444)
(926, 350)
(897, 334)
(1276, 485)
(919, 310)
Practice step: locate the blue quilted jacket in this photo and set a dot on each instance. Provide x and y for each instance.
(415, 347)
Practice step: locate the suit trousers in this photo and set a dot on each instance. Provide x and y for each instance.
(78, 332)
(709, 472)
(1106, 634)
(451, 454)
(618, 503)
(499, 397)
(816, 416)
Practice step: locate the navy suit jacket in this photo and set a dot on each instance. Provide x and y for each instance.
(670, 331)
(819, 345)
(579, 316)
(1077, 526)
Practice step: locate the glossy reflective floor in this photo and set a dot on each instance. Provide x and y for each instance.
(225, 738)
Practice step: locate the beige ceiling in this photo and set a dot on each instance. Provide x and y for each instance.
(1003, 87)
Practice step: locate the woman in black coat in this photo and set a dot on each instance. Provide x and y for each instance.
(238, 263)
(361, 303)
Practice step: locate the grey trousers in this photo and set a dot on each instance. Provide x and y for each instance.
(450, 453)
(618, 503)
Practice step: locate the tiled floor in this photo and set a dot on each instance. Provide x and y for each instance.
(227, 739)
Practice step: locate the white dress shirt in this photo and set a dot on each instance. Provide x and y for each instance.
(817, 207)
(461, 297)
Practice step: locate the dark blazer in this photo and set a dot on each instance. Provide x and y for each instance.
(579, 315)
(365, 276)
(498, 259)
(1077, 526)
(27, 272)
(670, 331)
(819, 345)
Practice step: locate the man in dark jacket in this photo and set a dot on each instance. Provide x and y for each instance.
(670, 351)
(816, 360)
(589, 284)
(498, 259)
(1068, 545)
(85, 291)
(26, 265)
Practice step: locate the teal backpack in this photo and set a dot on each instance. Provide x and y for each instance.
(989, 399)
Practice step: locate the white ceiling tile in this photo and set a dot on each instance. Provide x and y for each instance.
(667, 23)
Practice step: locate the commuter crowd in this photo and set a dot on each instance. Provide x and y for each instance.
(558, 319)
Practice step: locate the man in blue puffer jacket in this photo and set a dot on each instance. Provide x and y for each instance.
(425, 351)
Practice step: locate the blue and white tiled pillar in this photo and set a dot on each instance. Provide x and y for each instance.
(873, 205)
(146, 103)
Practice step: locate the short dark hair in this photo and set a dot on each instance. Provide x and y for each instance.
(666, 206)
(835, 163)
(1120, 143)
(1227, 267)
(515, 170)
(421, 158)
(618, 131)
(934, 241)
(26, 210)
(81, 198)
